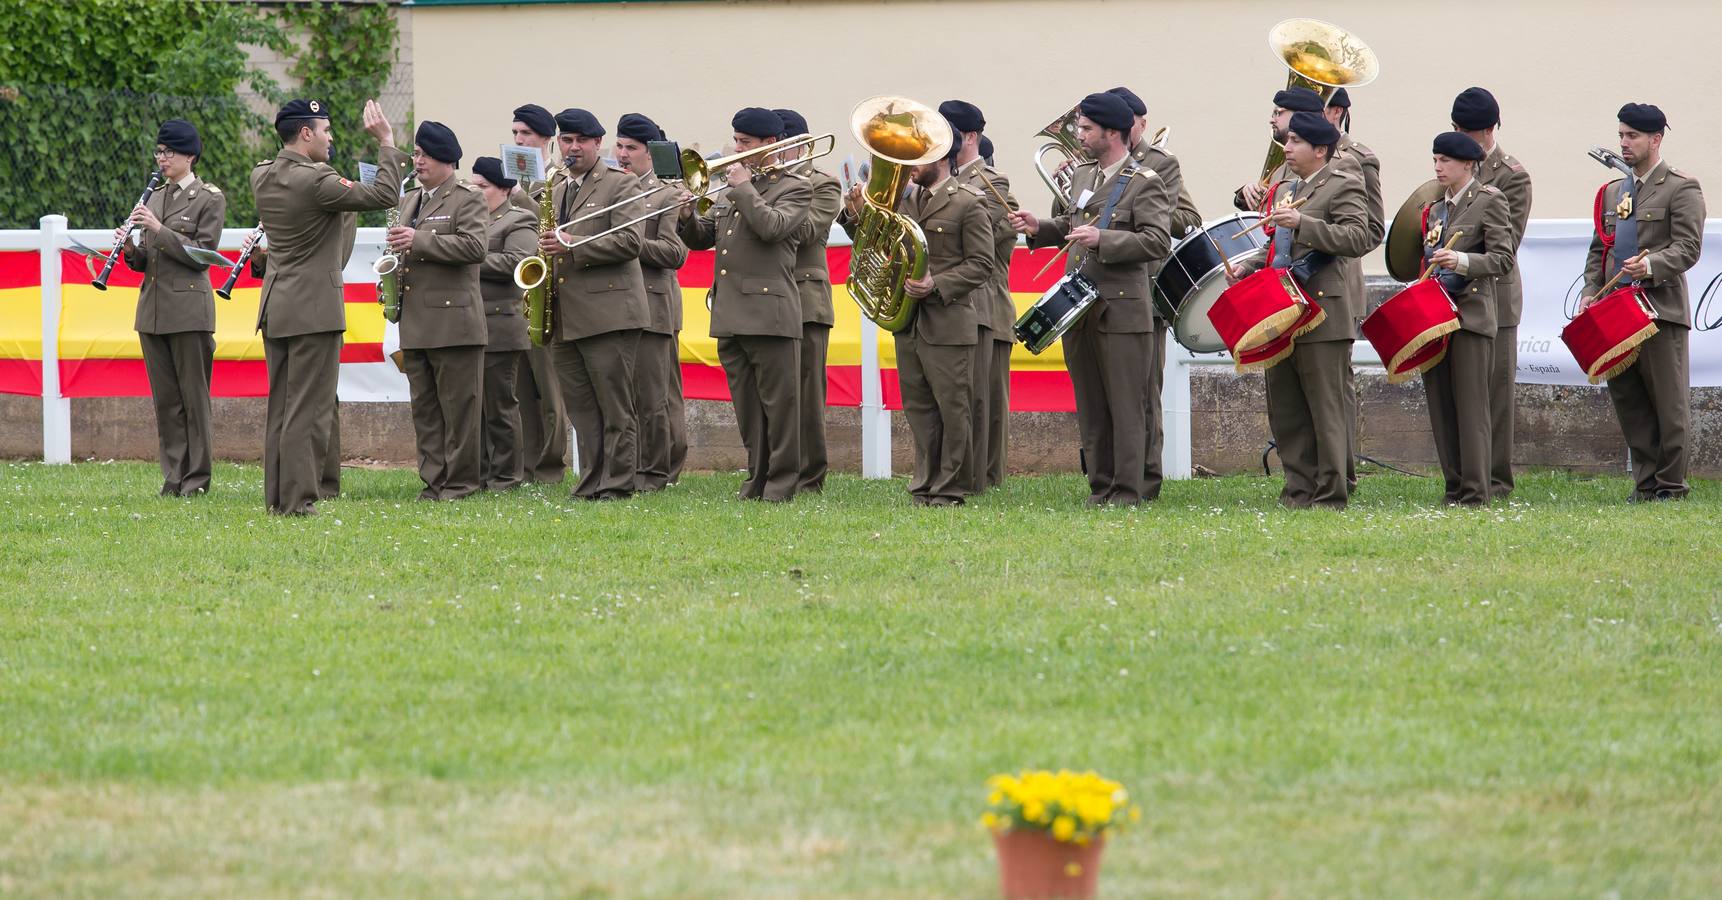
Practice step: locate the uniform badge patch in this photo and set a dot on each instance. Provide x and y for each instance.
(1624, 208)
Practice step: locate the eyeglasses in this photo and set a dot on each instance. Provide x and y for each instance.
(164, 153)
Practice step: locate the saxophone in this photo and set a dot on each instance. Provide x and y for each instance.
(532, 274)
(386, 266)
(889, 248)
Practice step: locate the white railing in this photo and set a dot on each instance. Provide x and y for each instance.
(53, 236)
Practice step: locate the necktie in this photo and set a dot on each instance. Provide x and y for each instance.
(1283, 236)
(1626, 228)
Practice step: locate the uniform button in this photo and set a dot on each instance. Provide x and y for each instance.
(448, 303)
(560, 280)
(725, 252)
(940, 229)
(765, 290)
(731, 231)
(723, 271)
(612, 284)
(407, 288)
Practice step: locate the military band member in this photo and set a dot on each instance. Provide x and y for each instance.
(1251, 196)
(1652, 228)
(755, 307)
(1119, 233)
(936, 351)
(1185, 219)
(512, 235)
(657, 366)
(1351, 150)
(1457, 388)
(543, 416)
(309, 212)
(1320, 241)
(813, 280)
(600, 309)
(1476, 115)
(441, 242)
(176, 309)
(994, 310)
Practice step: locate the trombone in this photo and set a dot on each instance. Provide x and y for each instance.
(697, 175)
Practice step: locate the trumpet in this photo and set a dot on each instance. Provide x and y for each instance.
(225, 292)
(101, 281)
(1062, 130)
(1321, 57)
(697, 176)
(388, 283)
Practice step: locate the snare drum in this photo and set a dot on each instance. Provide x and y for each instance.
(1056, 310)
(1604, 337)
(1410, 331)
(1194, 277)
(1262, 307)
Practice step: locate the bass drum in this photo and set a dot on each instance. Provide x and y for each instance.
(1195, 276)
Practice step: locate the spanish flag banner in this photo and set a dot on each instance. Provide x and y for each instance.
(99, 354)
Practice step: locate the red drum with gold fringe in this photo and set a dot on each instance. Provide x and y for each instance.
(1410, 330)
(1604, 337)
(1260, 316)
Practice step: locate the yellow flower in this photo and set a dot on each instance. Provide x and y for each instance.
(1073, 870)
(1034, 810)
(989, 821)
(1135, 813)
(1063, 828)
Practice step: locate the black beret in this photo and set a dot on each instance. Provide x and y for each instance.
(986, 149)
(963, 115)
(636, 127)
(1299, 99)
(1643, 117)
(180, 136)
(1458, 146)
(580, 122)
(1475, 109)
(536, 118)
(1108, 111)
(1340, 99)
(1313, 127)
(1137, 107)
(301, 109)
(438, 142)
(757, 122)
(491, 168)
(794, 123)
(956, 143)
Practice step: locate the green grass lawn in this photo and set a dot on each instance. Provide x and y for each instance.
(687, 696)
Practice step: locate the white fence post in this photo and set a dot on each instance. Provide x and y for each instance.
(56, 410)
(1175, 459)
(875, 418)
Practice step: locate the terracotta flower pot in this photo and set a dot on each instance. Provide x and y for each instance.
(1034, 866)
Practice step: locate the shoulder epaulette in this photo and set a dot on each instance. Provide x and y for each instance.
(973, 190)
(211, 188)
(1490, 189)
(263, 162)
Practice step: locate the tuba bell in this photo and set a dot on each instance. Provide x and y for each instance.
(889, 248)
(1062, 131)
(1321, 57)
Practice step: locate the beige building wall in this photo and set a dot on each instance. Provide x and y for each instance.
(1202, 66)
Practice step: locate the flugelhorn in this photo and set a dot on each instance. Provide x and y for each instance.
(1321, 57)
(889, 248)
(388, 283)
(101, 281)
(1062, 131)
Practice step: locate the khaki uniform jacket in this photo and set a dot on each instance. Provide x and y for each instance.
(441, 303)
(997, 311)
(753, 228)
(1670, 213)
(308, 211)
(662, 253)
(511, 236)
(959, 231)
(1335, 221)
(812, 274)
(1504, 172)
(1132, 247)
(1369, 166)
(1481, 213)
(176, 295)
(599, 287)
(1185, 218)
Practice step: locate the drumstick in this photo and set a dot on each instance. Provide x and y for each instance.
(1431, 267)
(1231, 273)
(1061, 251)
(989, 183)
(1616, 279)
(1264, 219)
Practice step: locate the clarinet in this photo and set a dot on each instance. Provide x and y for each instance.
(225, 292)
(101, 282)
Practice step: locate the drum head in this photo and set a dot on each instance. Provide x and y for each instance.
(1192, 329)
(1405, 236)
